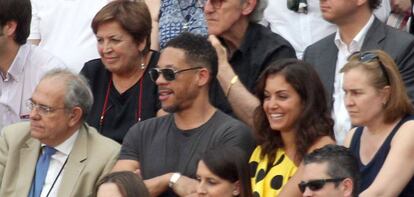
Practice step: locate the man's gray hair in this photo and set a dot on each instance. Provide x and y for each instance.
(257, 14)
(78, 93)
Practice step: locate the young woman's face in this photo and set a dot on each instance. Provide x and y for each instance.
(282, 104)
(213, 186)
(108, 190)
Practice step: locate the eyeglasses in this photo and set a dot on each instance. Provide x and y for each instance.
(169, 74)
(41, 109)
(317, 184)
(368, 56)
(215, 3)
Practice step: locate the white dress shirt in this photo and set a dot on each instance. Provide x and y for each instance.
(302, 30)
(17, 85)
(57, 163)
(339, 113)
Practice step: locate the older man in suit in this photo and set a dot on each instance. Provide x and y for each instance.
(56, 154)
(358, 30)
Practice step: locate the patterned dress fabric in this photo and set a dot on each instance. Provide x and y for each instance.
(177, 16)
(268, 180)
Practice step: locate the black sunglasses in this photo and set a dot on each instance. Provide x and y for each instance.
(368, 56)
(169, 74)
(317, 184)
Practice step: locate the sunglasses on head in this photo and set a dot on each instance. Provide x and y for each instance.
(169, 74)
(367, 57)
(317, 184)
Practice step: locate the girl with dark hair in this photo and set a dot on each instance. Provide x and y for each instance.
(292, 120)
(121, 184)
(224, 172)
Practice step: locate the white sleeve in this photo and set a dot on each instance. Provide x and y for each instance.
(34, 26)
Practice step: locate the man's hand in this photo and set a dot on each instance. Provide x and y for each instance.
(401, 6)
(185, 186)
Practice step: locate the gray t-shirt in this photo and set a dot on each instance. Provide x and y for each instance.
(161, 147)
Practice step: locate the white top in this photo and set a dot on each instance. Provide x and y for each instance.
(339, 113)
(64, 28)
(56, 164)
(26, 70)
(302, 30)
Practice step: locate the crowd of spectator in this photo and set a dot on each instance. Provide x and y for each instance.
(219, 98)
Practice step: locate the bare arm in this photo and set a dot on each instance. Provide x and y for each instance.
(291, 188)
(241, 100)
(154, 8)
(157, 185)
(398, 167)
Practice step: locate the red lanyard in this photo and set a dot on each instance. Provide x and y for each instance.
(104, 108)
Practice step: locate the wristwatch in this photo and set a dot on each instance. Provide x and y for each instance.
(174, 178)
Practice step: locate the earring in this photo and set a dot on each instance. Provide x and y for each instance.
(142, 66)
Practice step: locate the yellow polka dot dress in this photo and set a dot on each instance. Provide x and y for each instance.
(269, 181)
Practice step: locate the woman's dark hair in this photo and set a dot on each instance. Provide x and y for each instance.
(133, 16)
(128, 183)
(315, 119)
(230, 163)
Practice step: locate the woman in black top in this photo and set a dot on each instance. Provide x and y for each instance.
(378, 104)
(123, 91)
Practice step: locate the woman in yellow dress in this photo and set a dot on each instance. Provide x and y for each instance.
(292, 120)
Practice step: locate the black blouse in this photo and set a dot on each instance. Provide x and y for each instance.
(122, 110)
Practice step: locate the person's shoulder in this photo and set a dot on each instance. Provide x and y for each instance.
(16, 132)
(41, 58)
(99, 141)
(226, 123)
(321, 142)
(93, 68)
(152, 124)
(266, 36)
(320, 44)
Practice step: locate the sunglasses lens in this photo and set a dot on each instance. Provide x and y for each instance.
(315, 185)
(153, 74)
(302, 186)
(168, 74)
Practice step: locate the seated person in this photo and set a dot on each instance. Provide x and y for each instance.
(57, 153)
(121, 184)
(166, 149)
(249, 48)
(330, 171)
(21, 64)
(224, 172)
(292, 120)
(377, 102)
(123, 91)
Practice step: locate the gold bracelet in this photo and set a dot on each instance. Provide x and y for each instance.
(232, 82)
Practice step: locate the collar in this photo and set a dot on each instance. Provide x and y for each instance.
(358, 40)
(16, 68)
(66, 146)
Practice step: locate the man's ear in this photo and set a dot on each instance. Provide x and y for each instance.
(75, 116)
(348, 187)
(248, 7)
(9, 29)
(203, 76)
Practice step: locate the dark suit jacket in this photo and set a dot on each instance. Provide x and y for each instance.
(398, 44)
(92, 156)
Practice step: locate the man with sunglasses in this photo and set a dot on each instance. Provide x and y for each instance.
(166, 150)
(329, 171)
(358, 29)
(21, 64)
